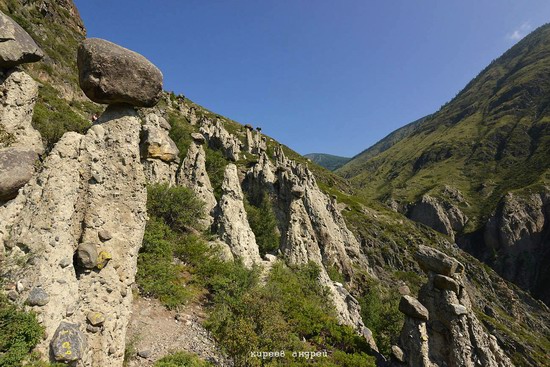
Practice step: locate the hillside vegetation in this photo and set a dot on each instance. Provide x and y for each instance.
(492, 138)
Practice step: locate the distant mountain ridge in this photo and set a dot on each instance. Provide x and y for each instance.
(329, 161)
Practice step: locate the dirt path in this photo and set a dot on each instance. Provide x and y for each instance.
(154, 332)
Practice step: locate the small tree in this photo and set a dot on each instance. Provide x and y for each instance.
(263, 222)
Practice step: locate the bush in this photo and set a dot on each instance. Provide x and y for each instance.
(181, 359)
(291, 307)
(157, 275)
(19, 334)
(178, 206)
(380, 312)
(263, 223)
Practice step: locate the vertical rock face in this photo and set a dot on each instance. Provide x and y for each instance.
(89, 185)
(20, 143)
(255, 142)
(518, 232)
(441, 216)
(193, 175)
(159, 154)
(232, 222)
(337, 244)
(440, 327)
(219, 138)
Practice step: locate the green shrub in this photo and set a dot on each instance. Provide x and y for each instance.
(178, 206)
(181, 359)
(263, 223)
(290, 308)
(19, 334)
(157, 275)
(380, 312)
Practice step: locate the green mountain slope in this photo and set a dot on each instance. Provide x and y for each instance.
(329, 161)
(355, 165)
(493, 137)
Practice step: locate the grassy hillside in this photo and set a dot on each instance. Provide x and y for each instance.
(329, 161)
(355, 165)
(493, 137)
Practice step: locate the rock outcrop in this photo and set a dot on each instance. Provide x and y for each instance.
(440, 327)
(20, 143)
(77, 226)
(16, 46)
(219, 138)
(88, 184)
(111, 74)
(193, 175)
(440, 215)
(159, 154)
(255, 142)
(518, 233)
(232, 222)
(312, 228)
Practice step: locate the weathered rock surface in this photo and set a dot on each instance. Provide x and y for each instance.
(219, 138)
(16, 169)
(452, 335)
(111, 74)
(255, 142)
(65, 205)
(232, 222)
(440, 215)
(18, 93)
(412, 308)
(20, 143)
(192, 174)
(434, 260)
(16, 45)
(518, 232)
(159, 153)
(156, 144)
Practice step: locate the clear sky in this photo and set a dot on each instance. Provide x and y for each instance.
(329, 76)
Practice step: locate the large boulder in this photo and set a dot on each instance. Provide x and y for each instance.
(112, 74)
(16, 169)
(16, 46)
(434, 260)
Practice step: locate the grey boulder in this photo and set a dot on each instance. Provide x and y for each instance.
(111, 74)
(434, 260)
(16, 169)
(411, 307)
(38, 297)
(68, 343)
(16, 46)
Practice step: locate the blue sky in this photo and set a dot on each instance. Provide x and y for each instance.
(317, 75)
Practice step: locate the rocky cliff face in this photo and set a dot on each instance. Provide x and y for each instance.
(192, 174)
(77, 225)
(80, 232)
(440, 327)
(515, 241)
(231, 220)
